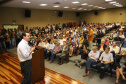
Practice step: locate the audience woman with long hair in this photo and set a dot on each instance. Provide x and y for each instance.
(119, 62)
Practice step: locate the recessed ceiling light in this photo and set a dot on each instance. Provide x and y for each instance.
(75, 2)
(26, 2)
(95, 6)
(84, 4)
(112, 2)
(103, 8)
(80, 8)
(43, 4)
(108, 0)
(119, 5)
(84, 9)
(90, 5)
(73, 8)
(89, 9)
(66, 7)
(99, 7)
(56, 6)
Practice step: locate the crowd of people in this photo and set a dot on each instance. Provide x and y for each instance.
(74, 40)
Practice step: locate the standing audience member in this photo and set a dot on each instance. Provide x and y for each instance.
(2, 42)
(90, 37)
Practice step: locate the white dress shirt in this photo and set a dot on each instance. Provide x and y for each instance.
(96, 55)
(51, 46)
(23, 50)
(106, 57)
(46, 45)
(41, 44)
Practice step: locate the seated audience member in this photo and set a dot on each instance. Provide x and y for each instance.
(102, 46)
(33, 37)
(50, 49)
(111, 37)
(93, 57)
(119, 63)
(107, 41)
(114, 34)
(84, 56)
(56, 49)
(103, 31)
(81, 40)
(105, 59)
(61, 40)
(75, 37)
(69, 36)
(73, 47)
(64, 50)
(114, 49)
(69, 42)
(57, 39)
(50, 38)
(41, 43)
(37, 41)
(121, 35)
(45, 46)
(65, 37)
(117, 38)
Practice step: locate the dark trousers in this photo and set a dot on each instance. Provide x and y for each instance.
(113, 52)
(26, 70)
(7, 45)
(45, 50)
(3, 46)
(106, 66)
(89, 62)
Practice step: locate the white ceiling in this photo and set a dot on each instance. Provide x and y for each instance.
(35, 4)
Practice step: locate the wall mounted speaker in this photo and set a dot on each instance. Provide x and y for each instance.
(60, 14)
(96, 13)
(27, 13)
(77, 14)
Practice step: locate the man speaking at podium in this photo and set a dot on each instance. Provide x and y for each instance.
(24, 52)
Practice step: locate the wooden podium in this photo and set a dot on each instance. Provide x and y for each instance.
(38, 65)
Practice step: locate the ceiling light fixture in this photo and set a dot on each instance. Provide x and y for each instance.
(80, 8)
(112, 2)
(119, 5)
(89, 9)
(95, 6)
(75, 2)
(84, 9)
(73, 8)
(90, 5)
(26, 2)
(108, 0)
(103, 8)
(99, 7)
(56, 6)
(43, 4)
(66, 7)
(84, 4)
